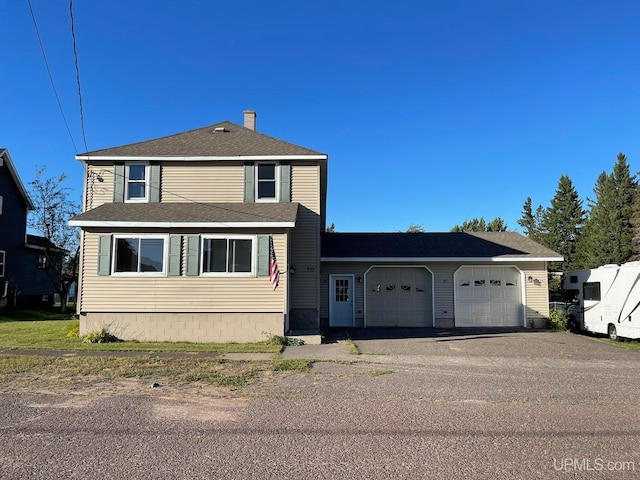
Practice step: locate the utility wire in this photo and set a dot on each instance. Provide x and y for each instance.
(53, 85)
(75, 57)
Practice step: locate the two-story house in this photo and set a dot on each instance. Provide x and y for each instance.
(23, 263)
(176, 236)
(179, 235)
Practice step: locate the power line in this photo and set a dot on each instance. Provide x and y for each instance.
(53, 85)
(75, 58)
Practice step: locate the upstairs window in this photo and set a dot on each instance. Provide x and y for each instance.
(228, 255)
(139, 255)
(0, 204)
(266, 182)
(3, 256)
(136, 183)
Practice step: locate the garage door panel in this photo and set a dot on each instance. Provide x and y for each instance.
(404, 297)
(488, 296)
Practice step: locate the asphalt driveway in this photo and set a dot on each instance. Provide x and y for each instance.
(468, 405)
(515, 343)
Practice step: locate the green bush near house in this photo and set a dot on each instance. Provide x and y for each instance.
(557, 321)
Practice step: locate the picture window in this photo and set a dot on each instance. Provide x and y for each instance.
(227, 255)
(144, 255)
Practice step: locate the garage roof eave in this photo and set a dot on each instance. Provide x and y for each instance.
(442, 259)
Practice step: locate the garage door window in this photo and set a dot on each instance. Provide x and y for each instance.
(478, 283)
(405, 288)
(496, 283)
(391, 288)
(420, 288)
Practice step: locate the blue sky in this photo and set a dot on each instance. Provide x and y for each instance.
(431, 112)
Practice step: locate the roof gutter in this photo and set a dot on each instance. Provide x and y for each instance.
(179, 158)
(441, 259)
(125, 224)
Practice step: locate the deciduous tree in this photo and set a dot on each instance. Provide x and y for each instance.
(50, 219)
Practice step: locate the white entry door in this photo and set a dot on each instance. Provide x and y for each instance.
(341, 301)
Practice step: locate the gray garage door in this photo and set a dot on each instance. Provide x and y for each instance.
(488, 297)
(399, 297)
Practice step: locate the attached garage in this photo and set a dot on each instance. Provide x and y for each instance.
(398, 297)
(441, 280)
(488, 297)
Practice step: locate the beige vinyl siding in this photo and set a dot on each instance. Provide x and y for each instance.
(536, 291)
(305, 237)
(97, 192)
(355, 269)
(202, 182)
(179, 294)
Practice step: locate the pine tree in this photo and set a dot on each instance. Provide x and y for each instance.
(609, 233)
(530, 221)
(562, 221)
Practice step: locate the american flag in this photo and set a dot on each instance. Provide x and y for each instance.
(274, 273)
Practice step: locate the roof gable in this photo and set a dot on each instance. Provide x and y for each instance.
(5, 159)
(450, 245)
(224, 139)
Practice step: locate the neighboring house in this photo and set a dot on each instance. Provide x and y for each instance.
(23, 266)
(175, 247)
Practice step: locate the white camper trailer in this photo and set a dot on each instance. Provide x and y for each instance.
(608, 300)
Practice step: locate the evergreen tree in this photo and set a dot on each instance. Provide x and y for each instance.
(530, 221)
(561, 223)
(608, 234)
(481, 225)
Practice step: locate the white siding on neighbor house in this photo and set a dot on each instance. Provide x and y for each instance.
(207, 182)
(305, 237)
(179, 293)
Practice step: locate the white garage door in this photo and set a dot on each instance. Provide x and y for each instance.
(488, 297)
(398, 297)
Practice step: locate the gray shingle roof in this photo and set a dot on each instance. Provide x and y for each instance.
(234, 141)
(433, 245)
(191, 213)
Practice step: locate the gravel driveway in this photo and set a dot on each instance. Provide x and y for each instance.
(479, 405)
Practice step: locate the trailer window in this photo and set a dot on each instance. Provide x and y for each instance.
(573, 279)
(591, 291)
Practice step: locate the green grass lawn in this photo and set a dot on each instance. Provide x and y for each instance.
(32, 329)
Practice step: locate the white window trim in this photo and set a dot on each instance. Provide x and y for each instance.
(146, 183)
(254, 252)
(275, 199)
(3, 263)
(165, 256)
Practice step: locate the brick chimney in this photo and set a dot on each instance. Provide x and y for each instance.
(250, 119)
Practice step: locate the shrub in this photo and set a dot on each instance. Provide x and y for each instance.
(557, 321)
(73, 329)
(284, 341)
(101, 336)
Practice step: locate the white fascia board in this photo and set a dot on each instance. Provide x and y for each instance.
(100, 223)
(202, 158)
(441, 259)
